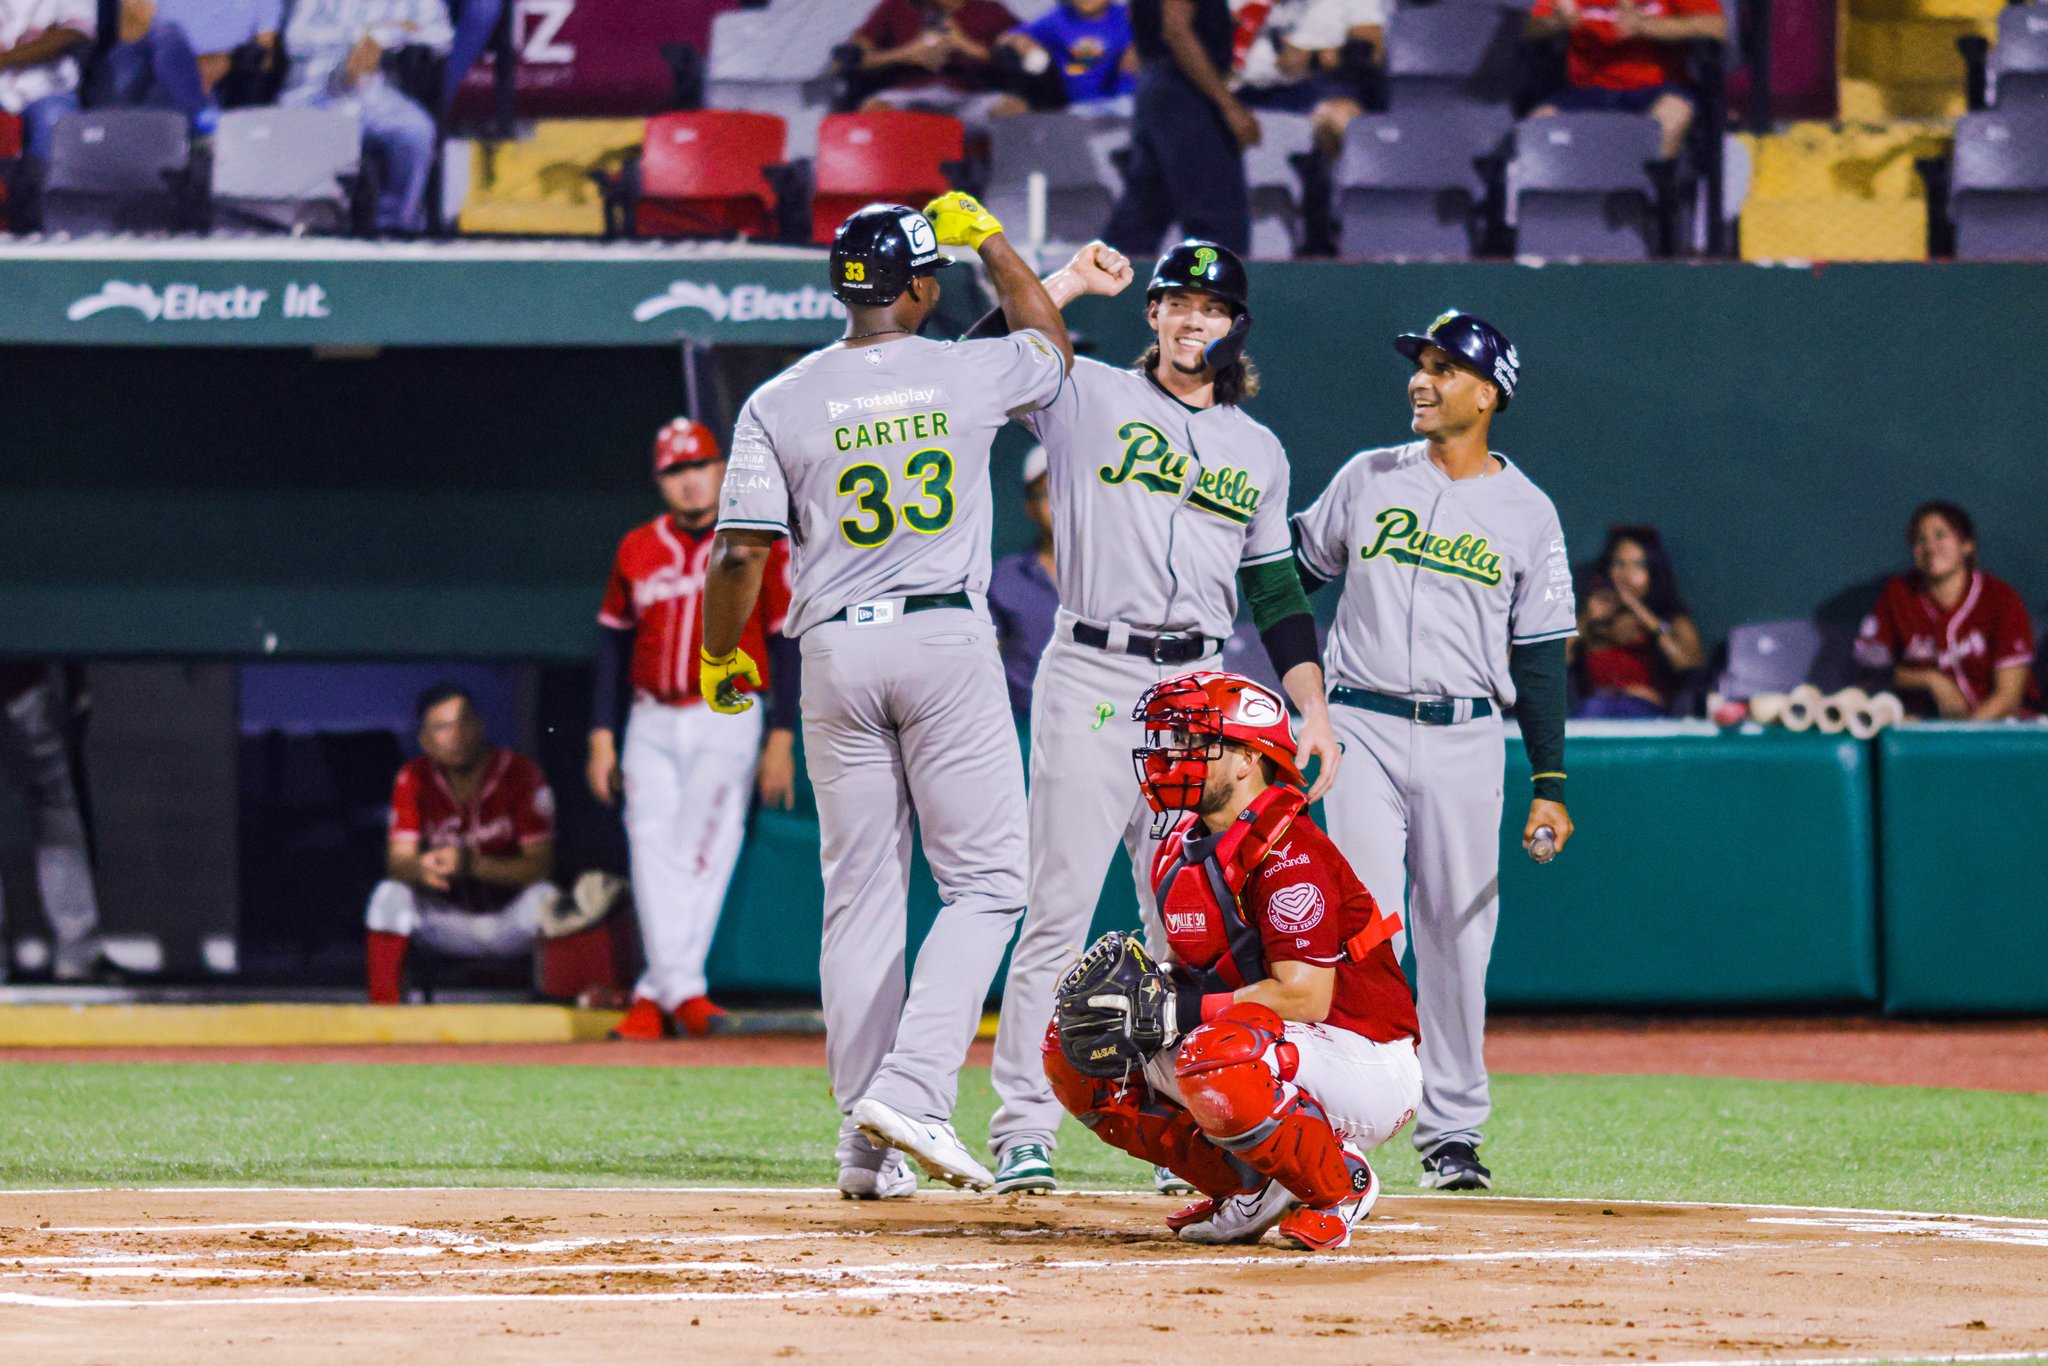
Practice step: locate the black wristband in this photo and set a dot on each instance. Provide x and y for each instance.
(1549, 788)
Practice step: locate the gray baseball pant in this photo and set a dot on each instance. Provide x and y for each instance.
(1084, 798)
(34, 757)
(911, 718)
(1416, 810)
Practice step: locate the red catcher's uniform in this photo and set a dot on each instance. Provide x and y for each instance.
(689, 771)
(1305, 903)
(1597, 57)
(657, 592)
(512, 809)
(1989, 630)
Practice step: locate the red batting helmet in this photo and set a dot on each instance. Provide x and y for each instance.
(683, 442)
(1186, 721)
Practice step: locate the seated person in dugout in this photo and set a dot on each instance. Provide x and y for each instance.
(1277, 1047)
(471, 847)
(1636, 639)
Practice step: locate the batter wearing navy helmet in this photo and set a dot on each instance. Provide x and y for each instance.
(1457, 602)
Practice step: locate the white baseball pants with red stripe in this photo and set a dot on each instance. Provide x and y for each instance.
(689, 779)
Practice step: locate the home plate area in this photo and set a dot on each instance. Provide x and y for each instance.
(182, 1275)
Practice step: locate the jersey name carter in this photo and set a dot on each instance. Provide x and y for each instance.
(1156, 505)
(1443, 575)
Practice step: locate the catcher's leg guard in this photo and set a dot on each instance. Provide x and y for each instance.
(1126, 1115)
(1246, 1107)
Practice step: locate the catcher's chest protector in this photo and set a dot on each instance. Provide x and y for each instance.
(1201, 889)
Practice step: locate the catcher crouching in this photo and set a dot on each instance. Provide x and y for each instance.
(1277, 1046)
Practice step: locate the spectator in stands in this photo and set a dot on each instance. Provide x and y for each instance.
(1303, 59)
(1089, 43)
(1021, 594)
(1957, 643)
(471, 846)
(217, 29)
(1188, 132)
(35, 760)
(151, 65)
(1629, 57)
(475, 21)
(1636, 640)
(41, 42)
(337, 50)
(938, 55)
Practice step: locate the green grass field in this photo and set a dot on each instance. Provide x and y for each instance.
(1615, 1137)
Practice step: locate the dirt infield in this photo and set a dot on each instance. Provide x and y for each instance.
(168, 1277)
(1999, 1056)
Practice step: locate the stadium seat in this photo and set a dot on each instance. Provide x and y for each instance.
(1579, 186)
(1998, 187)
(119, 170)
(1769, 656)
(777, 60)
(1072, 152)
(1408, 186)
(1273, 175)
(1450, 52)
(286, 170)
(888, 155)
(2018, 67)
(10, 152)
(701, 175)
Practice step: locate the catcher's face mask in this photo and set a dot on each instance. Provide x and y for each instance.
(1183, 734)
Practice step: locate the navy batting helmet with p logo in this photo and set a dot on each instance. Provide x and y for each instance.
(1473, 343)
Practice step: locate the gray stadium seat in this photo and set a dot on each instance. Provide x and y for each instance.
(1451, 52)
(1770, 656)
(1072, 152)
(1998, 190)
(1406, 184)
(284, 170)
(117, 170)
(1579, 187)
(1275, 183)
(777, 60)
(2019, 63)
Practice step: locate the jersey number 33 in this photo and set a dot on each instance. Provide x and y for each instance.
(927, 506)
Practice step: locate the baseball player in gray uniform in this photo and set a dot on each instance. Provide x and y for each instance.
(872, 457)
(1167, 501)
(1457, 602)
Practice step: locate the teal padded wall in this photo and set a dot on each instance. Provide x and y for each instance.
(1964, 813)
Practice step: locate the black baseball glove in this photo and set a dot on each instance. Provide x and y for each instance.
(1114, 1008)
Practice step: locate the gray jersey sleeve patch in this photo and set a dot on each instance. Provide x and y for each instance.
(756, 491)
(1543, 607)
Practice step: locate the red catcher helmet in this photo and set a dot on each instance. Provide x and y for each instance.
(1186, 721)
(683, 442)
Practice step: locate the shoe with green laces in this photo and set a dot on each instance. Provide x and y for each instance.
(1025, 1169)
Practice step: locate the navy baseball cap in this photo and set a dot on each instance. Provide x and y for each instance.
(1473, 343)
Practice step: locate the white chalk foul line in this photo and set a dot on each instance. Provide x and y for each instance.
(1887, 1359)
(1921, 1228)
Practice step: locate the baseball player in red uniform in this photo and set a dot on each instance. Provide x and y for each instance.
(1958, 642)
(688, 775)
(471, 846)
(1279, 1045)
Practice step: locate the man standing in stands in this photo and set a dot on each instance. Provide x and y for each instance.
(471, 846)
(1188, 133)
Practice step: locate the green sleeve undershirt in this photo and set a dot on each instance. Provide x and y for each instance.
(1538, 673)
(1274, 591)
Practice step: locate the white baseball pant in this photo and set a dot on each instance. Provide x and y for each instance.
(445, 927)
(1368, 1089)
(689, 781)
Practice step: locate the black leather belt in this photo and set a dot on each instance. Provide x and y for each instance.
(1159, 649)
(1434, 711)
(916, 602)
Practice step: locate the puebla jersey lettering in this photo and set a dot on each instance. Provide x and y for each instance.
(873, 461)
(656, 590)
(1155, 506)
(1440, 576)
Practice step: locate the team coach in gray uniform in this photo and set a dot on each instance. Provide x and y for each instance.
(1457, 604)
(872, 456)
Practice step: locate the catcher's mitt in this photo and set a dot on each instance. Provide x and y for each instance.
(1114, 1008)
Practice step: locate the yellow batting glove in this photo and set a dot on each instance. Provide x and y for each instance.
(718, 679)
(960, 221)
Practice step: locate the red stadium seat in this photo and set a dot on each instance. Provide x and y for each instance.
(888, 155)
(701, 174)
(10, 150)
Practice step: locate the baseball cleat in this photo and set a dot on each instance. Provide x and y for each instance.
(1192, 1214)
(1326, 1230)
(699, 1017)
(1242, 1218)
(932, 1142)
(1166, 1183)
(1455, 1166)
(891, 1181)
(1025, 1169)
(644, 1020)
